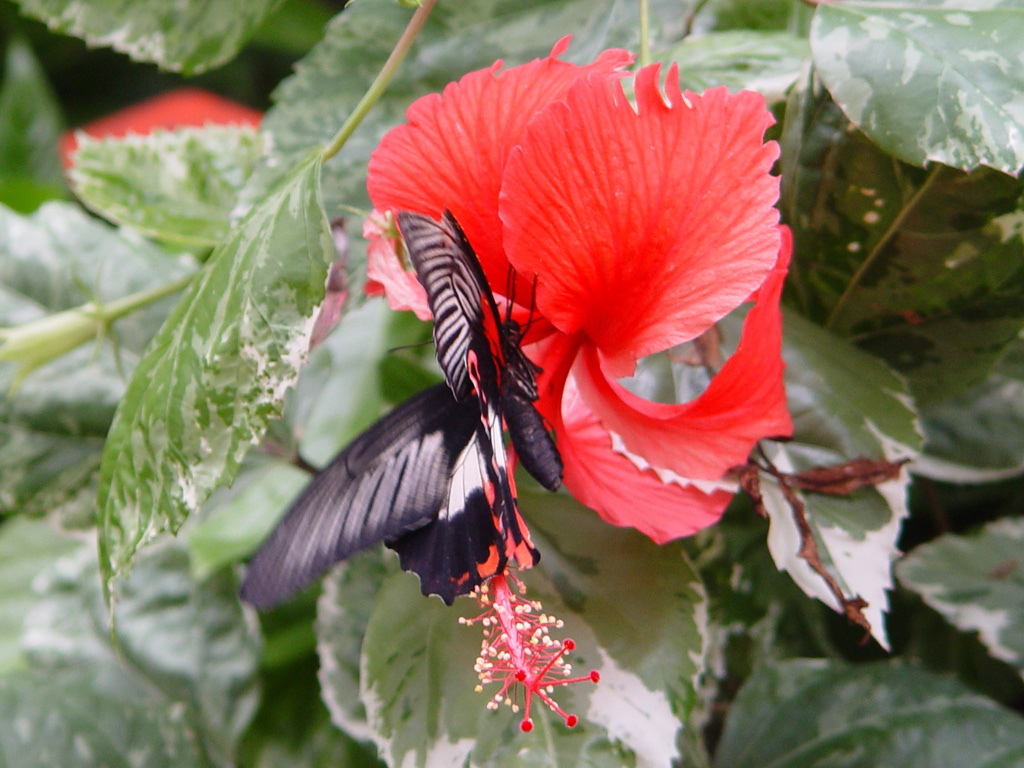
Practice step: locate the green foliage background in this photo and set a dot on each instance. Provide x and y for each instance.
(154, 309)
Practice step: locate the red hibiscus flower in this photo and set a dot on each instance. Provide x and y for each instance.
(644, 225)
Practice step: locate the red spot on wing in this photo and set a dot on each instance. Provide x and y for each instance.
(510, 471)
(523, 550)
(473, 368)
(491, 565)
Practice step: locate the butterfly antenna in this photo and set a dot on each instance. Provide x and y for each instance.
(414, 345)
(510, 292)
(533, 306)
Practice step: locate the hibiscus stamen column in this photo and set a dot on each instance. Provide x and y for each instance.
(517, 650)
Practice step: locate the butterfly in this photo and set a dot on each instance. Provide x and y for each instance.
(432, 478)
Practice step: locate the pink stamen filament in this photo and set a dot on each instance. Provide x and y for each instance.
(517, 651)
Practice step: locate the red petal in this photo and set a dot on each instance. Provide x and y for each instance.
(745, 401)
(645, 227)
(452, 152)
(385, 273)
(618, 491)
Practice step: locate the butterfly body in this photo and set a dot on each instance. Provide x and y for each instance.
(432, 478)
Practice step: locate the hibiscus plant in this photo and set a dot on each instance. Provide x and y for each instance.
(767, 257)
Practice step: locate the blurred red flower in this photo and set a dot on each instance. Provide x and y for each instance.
(181, 107)
(644, 226)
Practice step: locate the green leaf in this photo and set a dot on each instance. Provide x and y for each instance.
(235, 526)
(288, 635)
(25, 195)
(67, 722)
(179, 187)
(925, 269)
(294, 28)
(855, 538)
(844, 400)
(418, 684)
(929, 641)
(977, 583)
(340, 391)
(763, 15)
(181, 646)
(980, 434)
(42, 472)
(60, 258)
(757, 613)
(932, 82)
(292, 727)
(217, 371)
(845, 404)
(27, 548)
(31, 121)
(338, 394)
(643, 603)
(634, 609)
(189, 36)
(413, 684)
(52, 428)
(768, 62)
(343, 612)
(815, 714)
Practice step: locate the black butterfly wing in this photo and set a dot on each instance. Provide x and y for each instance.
(456, 288)
(462, 547)
(392, 479)
(479, 528)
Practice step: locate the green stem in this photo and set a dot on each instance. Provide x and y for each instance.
(645, 33)
(36, 343)
(883, 241)
(108, 313)
(688, 25)
(381, 82)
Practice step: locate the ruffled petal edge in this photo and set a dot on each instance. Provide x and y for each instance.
(622, 493)
(746, 400)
